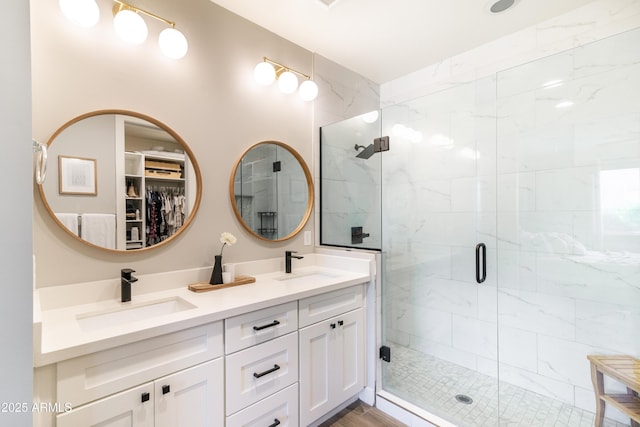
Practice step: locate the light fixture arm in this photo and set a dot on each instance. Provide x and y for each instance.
(282, 68)
(120, 5)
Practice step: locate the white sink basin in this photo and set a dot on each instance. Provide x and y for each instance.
(305, 277)
(132, 313)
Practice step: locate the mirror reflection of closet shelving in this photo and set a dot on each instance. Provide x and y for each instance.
(156, 176)
(134, 206)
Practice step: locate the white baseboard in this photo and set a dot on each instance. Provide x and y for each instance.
(368, 396)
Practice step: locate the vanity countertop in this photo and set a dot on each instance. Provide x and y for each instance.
(59, 335)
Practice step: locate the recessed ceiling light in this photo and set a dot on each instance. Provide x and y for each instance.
(328, 3)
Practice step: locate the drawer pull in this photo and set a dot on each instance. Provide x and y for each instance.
(340, 322)
(262, 374)
(332, 325)
(166, 389)
(270, 325)
(145, 397)
(276, 422)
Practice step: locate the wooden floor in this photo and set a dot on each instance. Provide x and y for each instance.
(360, 414)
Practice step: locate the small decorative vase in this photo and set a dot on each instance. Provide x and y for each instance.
(216, 275)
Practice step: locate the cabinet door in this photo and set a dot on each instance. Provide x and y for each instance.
(131, 408)
(350, 369)
(331, 364)
(191, 398)
(316, 345)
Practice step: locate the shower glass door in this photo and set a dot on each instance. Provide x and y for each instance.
(439, 218)
(568, 140)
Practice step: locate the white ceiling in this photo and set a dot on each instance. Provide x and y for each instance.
(387, 39)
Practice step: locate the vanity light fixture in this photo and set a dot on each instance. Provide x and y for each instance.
(81, 12)
(267, 71)
(128, 24)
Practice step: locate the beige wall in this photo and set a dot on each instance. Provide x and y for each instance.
(92, 138)
(208, 97)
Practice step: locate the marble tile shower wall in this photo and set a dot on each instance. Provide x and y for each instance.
(594, 21)
(567, 276)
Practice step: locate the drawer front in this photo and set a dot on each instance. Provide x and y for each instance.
(259, 326)
(96, 375)
(280, 409)
(323, 306)
(260, 371)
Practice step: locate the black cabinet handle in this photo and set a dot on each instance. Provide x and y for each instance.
(332, 325)
(340, 322)
(481, 252)
(166, 389)
(276, 422)
(270, 325)
(145, 397)
(262, 374)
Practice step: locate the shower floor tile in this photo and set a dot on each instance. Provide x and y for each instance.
(433, 383)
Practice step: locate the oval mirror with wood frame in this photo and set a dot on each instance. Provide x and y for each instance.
(121, 181)
(271, 191)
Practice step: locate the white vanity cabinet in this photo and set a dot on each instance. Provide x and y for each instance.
(171, 380)
(332, 360)
(286, 364)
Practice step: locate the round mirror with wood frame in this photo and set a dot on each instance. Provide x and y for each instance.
(121, 181)
(271, 191)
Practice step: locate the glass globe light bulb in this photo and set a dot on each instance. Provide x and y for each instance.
(130, 26)
(308, 90)
(287, 82)
(81, 12)
(173, 43)
(264, 74)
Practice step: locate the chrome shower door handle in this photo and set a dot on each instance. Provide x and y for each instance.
(481, 258)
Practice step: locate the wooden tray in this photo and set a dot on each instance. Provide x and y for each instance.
(206, 287)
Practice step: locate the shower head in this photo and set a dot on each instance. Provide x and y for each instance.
(366, 152)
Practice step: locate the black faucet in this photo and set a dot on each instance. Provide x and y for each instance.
(126, 279)
(287, 260)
